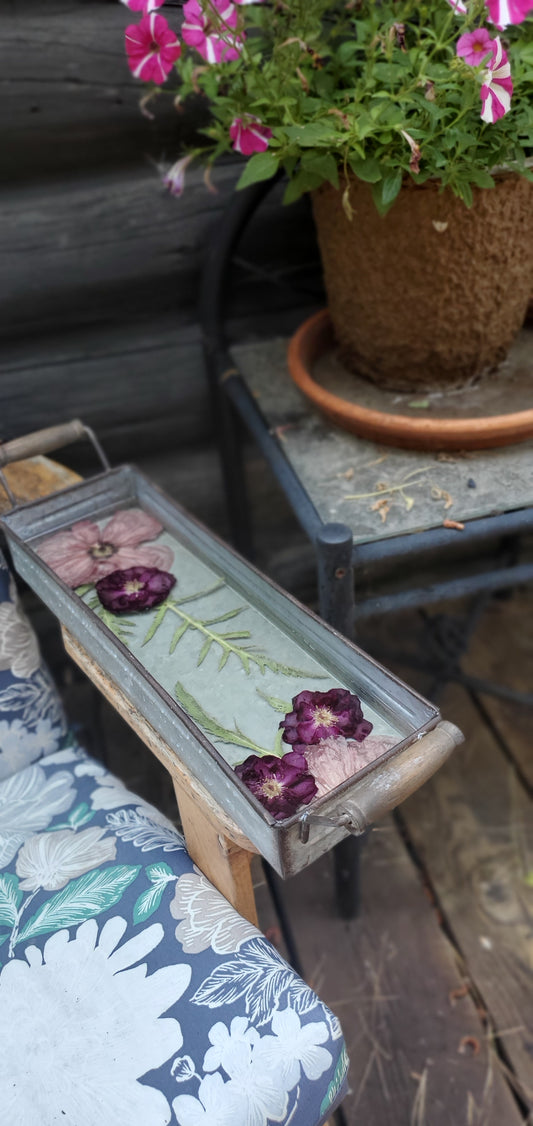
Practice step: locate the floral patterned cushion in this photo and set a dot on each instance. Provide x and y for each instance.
(32, 722)
(130, 990)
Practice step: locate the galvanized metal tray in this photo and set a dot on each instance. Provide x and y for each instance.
(205, 685)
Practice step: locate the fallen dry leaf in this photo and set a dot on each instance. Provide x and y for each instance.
(383, 507)
(442, 494)
(469, 1044)
(453, 524)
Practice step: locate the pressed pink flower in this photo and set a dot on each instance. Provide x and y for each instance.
(86, 553)
(142, 5)
(475, 46)
(504, 12)
(497, 86)
(280, 784)
(174, 179)
(336, 759)
(136, 588)
(209, 27)
(317, 715)
(152, 48)
(249, 135)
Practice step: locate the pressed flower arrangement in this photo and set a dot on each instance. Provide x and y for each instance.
(116, 566)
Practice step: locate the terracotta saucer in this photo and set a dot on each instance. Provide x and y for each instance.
(372, 412)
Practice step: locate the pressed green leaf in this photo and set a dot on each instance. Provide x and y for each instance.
(224, 617)
(260, 166)
(281, 706)
(211, 725)
(89, 895)
(10, 899)
(204, 651)
(156, 622)
(177, 636)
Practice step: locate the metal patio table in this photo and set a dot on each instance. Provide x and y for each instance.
(319, 467)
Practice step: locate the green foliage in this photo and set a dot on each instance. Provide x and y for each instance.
(367, 88)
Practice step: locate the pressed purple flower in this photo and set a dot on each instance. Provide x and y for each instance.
(318, 715)
(136, 588)
(280, 784)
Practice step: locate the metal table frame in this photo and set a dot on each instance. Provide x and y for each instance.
(338, 558)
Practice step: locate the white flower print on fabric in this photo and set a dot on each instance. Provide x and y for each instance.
(110, 793)
(146, 828)
(69, 754)
(35, 700)
(226, 1041)
(77, 1006)
(218, 1104)
(19, 747)
(28, 803)
(294, 1048)
(50, 860)
(89, 768)
(208, 918)
(255, 1080)
(19, 650)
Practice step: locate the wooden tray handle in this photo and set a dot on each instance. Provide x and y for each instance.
(383, 790)
(42, 441)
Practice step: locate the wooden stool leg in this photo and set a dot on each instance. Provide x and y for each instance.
(224, 863)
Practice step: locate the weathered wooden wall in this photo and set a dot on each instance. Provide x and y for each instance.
(100, 267)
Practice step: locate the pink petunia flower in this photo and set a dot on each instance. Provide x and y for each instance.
(497, 86)
(459, 6)
(142, 5)
(474, 46)
(174, 179)
(249, 135)
(336, 759)
(152, 48)
(504, 12)
(85, 553)
(210, 29)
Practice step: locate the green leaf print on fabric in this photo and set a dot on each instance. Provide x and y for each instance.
(89, 895)
(10, 898)
(336, 1083)
(159, 875)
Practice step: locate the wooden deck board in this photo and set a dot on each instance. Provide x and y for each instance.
(389, 976)
(509, 662)
(472, 828)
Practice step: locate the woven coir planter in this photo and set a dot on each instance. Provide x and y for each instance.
(431, 294)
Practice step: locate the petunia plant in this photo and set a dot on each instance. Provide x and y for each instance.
(324, 89)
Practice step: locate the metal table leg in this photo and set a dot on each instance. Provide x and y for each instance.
(337, 607)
